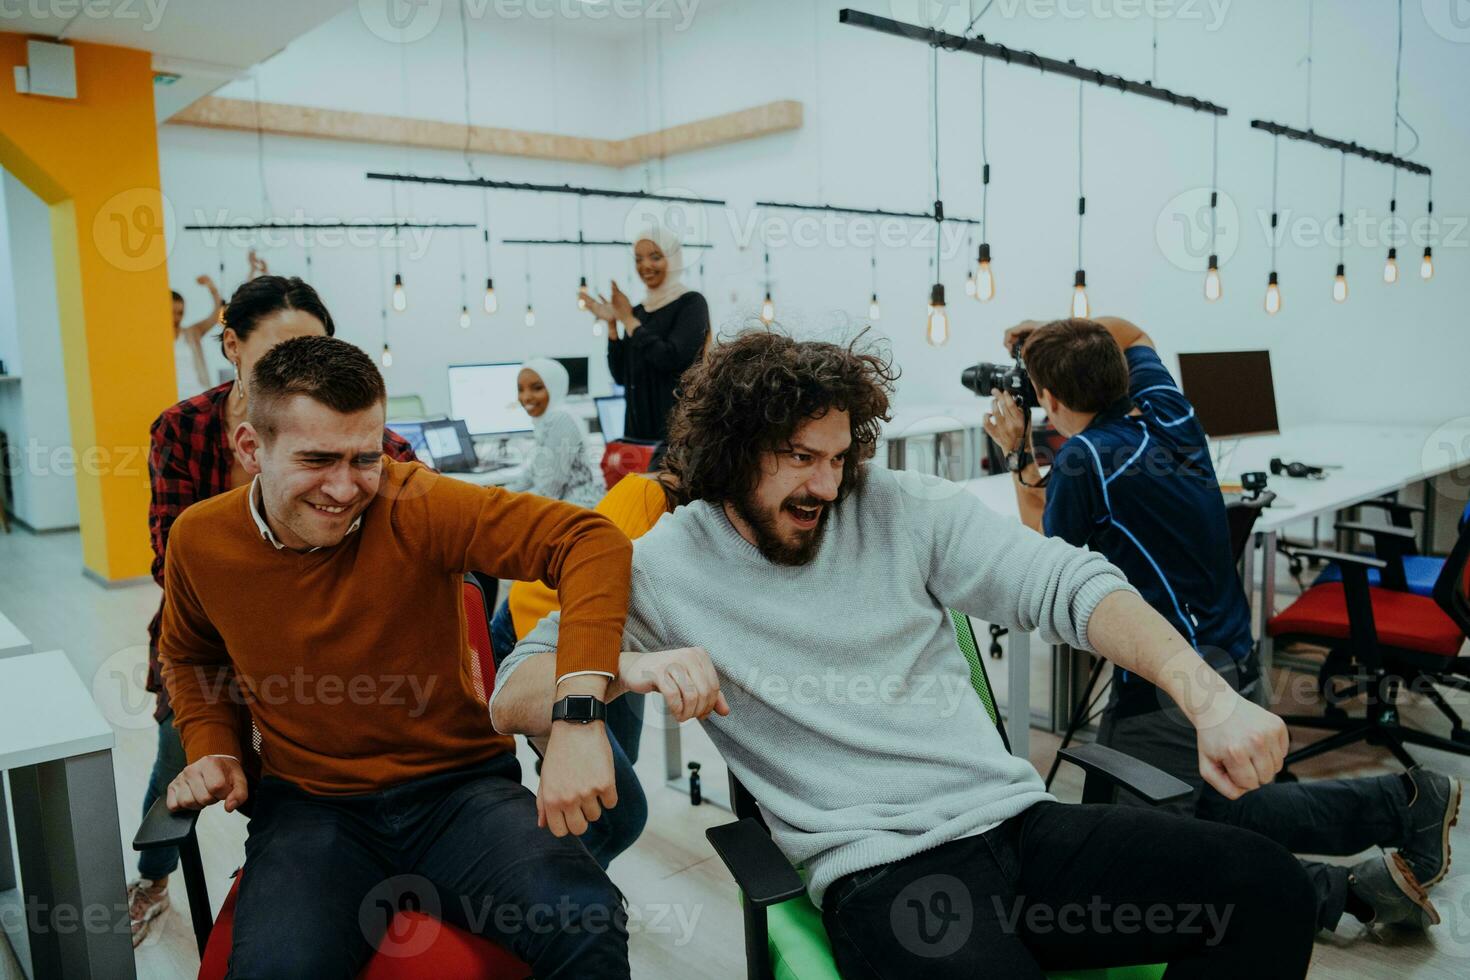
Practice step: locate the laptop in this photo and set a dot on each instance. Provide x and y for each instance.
(611, 412)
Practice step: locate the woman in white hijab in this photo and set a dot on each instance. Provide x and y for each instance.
(661, 337)
(557, 467)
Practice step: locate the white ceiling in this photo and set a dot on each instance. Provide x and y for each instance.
(206, 42)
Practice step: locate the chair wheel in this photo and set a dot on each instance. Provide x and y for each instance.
(995, 651)
(1294, 565)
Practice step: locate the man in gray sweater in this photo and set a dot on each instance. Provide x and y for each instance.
(797, 608)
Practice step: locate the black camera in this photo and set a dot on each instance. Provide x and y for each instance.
(1010, 378)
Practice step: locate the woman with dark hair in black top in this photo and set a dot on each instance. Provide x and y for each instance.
(662, 336)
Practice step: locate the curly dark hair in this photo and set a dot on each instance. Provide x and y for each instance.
(749, 395)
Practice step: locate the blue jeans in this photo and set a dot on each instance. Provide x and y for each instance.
(324, 876)
(618, 828)
(168, 762)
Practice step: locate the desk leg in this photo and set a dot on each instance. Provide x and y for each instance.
(1018, 727)
(897, 453)
(1268, 596)
(7, 863)
(1248, 570)
(71, 867)
(673, 743)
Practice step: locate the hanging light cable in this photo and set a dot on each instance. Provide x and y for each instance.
(984, 277)
(387, 355)
(874, 311)
(530, 312)
(464, 288)
(969, 276)
(1080, 306)
(1391, 265)
(1212, 271)
(936, 330)
(768, 308)
(400, 296)
(1339, 281)
(1426, 266)
(581, 262)
(491, 303)
(1273, 288)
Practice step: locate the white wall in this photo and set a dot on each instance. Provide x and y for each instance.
(33, 411)
(1389, 353)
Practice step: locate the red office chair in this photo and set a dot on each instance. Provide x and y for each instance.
(404, 953)
(623, 456)
(1379, 640)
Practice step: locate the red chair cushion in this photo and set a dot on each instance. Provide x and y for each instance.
(477, 621)
(417, 947)
(621, 458)
(1403, 620)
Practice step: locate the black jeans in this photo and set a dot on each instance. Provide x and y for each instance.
(1326, 816)
(323, 876)
(1075, 887)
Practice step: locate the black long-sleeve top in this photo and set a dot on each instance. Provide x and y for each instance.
(649, 363)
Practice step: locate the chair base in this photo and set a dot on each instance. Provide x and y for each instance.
(1383, 728)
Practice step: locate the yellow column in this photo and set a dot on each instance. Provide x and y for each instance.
(94, 161)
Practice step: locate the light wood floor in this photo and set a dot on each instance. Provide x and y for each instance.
(43, 592)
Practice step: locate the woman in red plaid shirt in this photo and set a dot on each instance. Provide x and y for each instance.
(190, 459)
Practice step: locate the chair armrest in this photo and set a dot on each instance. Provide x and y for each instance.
(759, 867)
(1344, 560)
(163, 827)
(1377, 530)
(1149, 782)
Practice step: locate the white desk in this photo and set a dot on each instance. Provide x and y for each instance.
(12, 641)
(1373, 460)
(56, 749)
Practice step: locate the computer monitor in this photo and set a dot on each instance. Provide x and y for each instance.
(1231, 391)
(413, 433)
(484, 396)
(576, 374)
(610, 415)
(450, 444)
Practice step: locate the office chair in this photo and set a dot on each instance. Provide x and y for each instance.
(784, 936)
(1241, 516)
(402, 953)
(1380, 639)
(624, 456)
(1407, 571)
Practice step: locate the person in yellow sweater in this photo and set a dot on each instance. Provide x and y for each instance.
(322, 602)
(634, 505)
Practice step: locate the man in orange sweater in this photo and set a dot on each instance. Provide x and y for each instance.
(322, 602)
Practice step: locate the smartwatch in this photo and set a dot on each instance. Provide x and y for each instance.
(580, 708)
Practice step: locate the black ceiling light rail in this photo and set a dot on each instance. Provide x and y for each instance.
(331, 225)
(1327, 142)
(876, 212)
(515, 185)
(587, 242)
(1030, 59)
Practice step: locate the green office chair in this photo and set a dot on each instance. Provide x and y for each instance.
(784, 936)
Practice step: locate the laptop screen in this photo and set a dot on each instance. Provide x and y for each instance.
(413, 432)
(610, 414)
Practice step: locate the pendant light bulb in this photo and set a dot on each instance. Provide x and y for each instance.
(970, 284)
(530, 316)
(1391, 267)
(1213, 288)
(1080, 307)
(937, 329)
(582, 293)
(984, 277)
(768, 309)
(464, 317)
(1273, 295)
(387, 356)
(874, 313)
(400, 298)
(1426, 266)
(492, 305)
(1339, 285)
